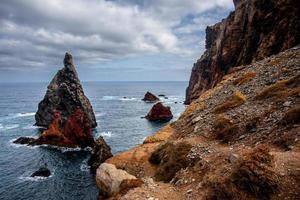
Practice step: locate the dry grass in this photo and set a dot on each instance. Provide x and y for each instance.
(249, 178)
(245, 78)
(253, 176)
(235, 100)
(224, 129)
(194, 106)
(292, 116)
(281, 89)
(170, 158)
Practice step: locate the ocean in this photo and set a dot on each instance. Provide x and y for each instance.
(118, 109)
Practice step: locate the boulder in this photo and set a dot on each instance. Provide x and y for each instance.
(43, 172)
(101, 152)
(111, 180)
(149, 97)
(159, 113)
(65, 95)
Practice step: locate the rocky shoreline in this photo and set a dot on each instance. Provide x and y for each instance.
(215, 155)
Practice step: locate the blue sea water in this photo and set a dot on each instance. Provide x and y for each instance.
(119, 122)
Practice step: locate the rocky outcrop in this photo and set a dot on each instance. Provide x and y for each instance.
(65, 95)
(149, 97)
(42, 172)
(75, 132)
(101, 152)
(159, 112)
(255, 30)
(111, 180)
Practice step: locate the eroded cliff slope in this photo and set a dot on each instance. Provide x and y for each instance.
(239, 140)
(255, 30)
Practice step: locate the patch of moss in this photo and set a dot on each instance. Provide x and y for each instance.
(281, 89)
(235, 100)
(170, 158)
(245, 78)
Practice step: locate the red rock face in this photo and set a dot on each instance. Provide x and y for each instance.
(75, 132)
(159, 112)
(257, 29)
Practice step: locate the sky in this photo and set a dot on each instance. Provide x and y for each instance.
(116, 40)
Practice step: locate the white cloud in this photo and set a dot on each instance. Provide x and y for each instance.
(36, 33)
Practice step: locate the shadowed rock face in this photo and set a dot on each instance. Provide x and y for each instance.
(255, 30)
(65, 95)
(149, 97)
(101, 152)
(159, 112)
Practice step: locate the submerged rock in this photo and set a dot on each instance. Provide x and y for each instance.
(111, 180)
(149, 97)
(159, 112)
(43, 172)
(101, 152)
(65, 95)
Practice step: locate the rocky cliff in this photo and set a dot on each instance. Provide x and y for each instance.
(65, 95)
(239, 140)
(255, 30)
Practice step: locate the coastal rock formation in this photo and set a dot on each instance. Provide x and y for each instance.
(101, 152)
(224, 148)
(43, 172)
(111, 180)
(255, 30)
(149, 97)
(159, 112)
(65, 95)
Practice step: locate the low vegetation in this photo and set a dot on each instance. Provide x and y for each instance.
(170, 158)
(292, 116)
(281, 89)
(235, 100)
(249, 178)
(224, 129)
(245, 78)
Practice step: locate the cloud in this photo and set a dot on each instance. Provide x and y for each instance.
(35, 34)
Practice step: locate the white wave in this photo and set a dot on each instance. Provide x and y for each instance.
(28, 127)
(65, 149)
(128, 99)
(105, 134)
(25, 114)
(84, 167)
(99, 114)
(9, 126)
(36, 178)
(107, 98)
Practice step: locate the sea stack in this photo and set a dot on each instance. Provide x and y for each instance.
(65, 111)
(159, 113)
(64, 95)
(149, 97)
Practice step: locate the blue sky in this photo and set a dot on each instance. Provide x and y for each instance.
(120, 40)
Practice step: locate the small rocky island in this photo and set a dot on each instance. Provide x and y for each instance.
(159, 113)
(68, 116)
(149, 97)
